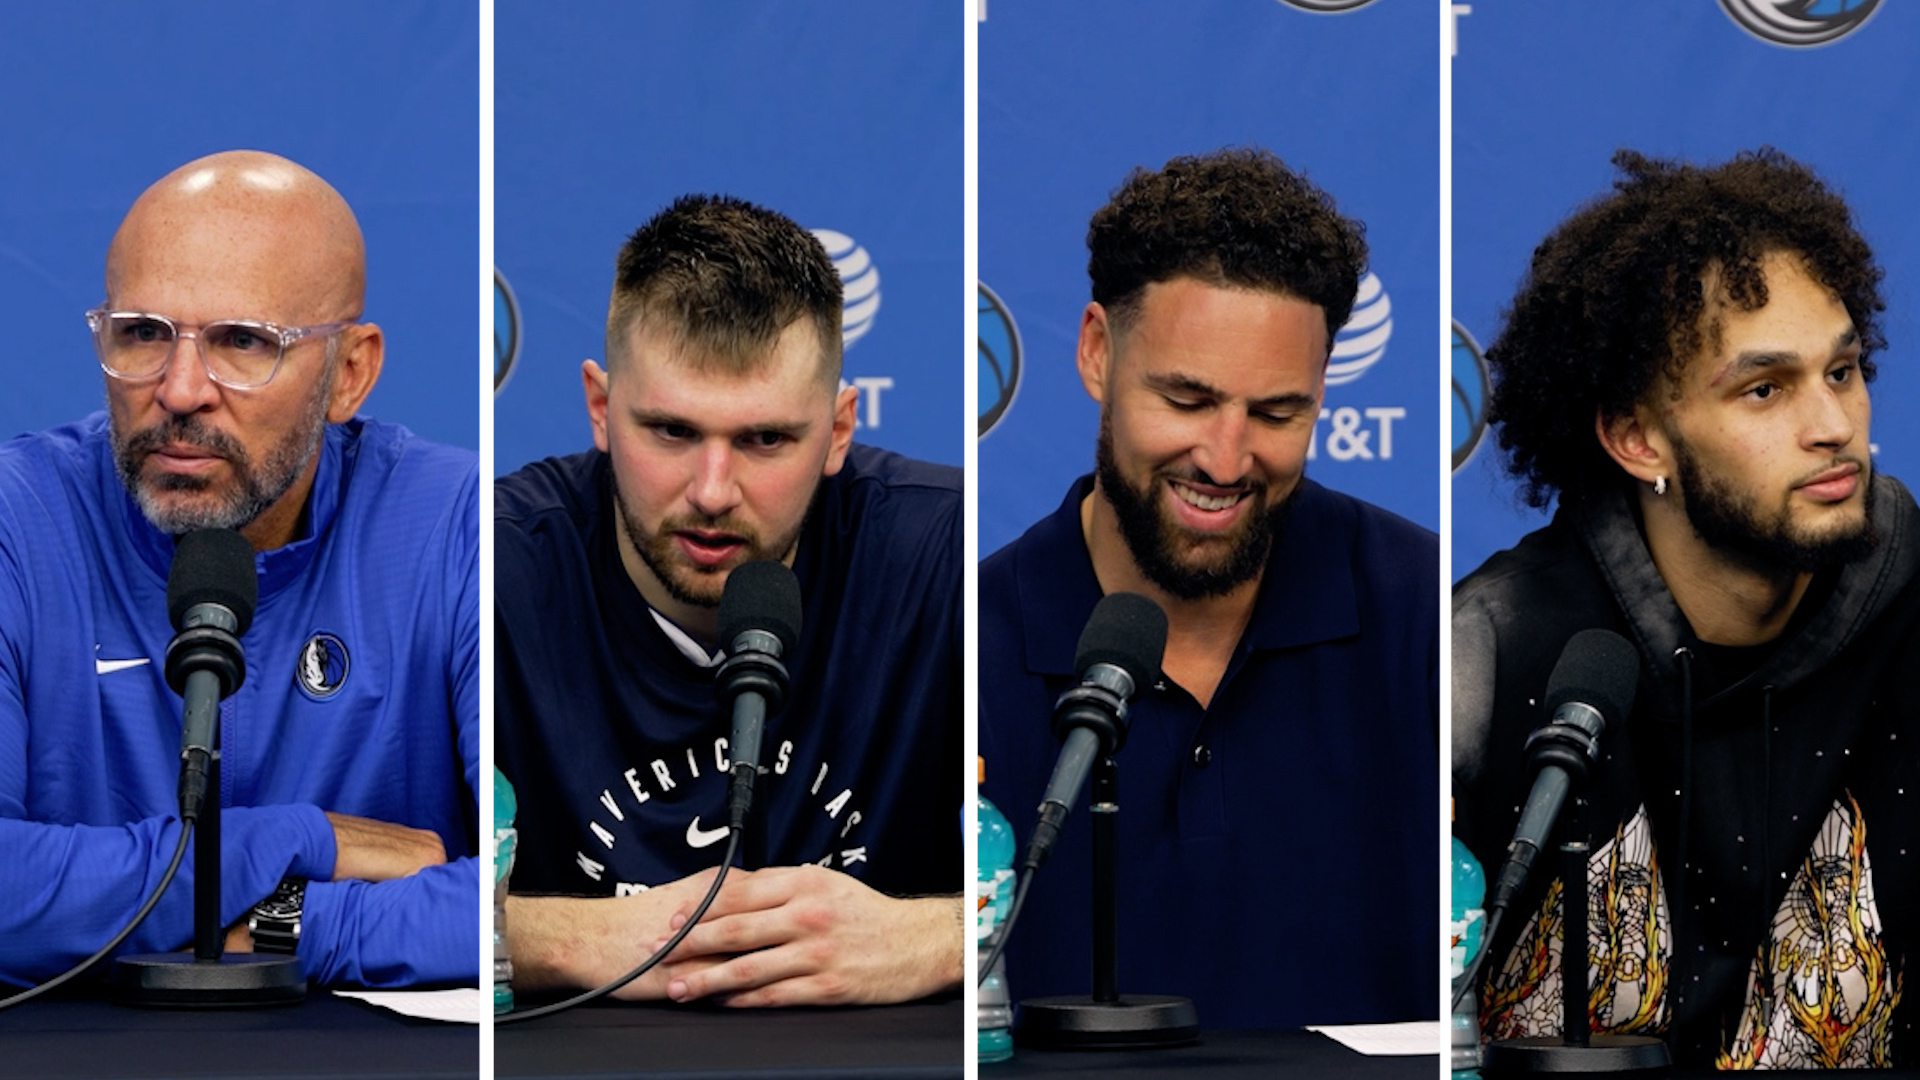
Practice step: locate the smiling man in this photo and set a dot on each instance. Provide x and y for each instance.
(1279, 786)
(235, 360)
(722, 435)
(1685, 368)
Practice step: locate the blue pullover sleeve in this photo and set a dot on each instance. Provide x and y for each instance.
(425, 927)
(66, 889)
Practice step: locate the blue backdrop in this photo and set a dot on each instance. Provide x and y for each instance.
(1544, 93)
(846, 117)
(1073, 95)
(380, 97)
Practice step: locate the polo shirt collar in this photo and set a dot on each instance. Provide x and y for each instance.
(1307, 595)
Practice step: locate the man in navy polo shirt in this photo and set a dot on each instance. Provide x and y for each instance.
(722, 435)
(1279, 784)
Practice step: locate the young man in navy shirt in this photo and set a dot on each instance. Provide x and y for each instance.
(722, 435)
(1279, 785)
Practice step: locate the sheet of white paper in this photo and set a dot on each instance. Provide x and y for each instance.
(1387, 1040)
(463, 1006)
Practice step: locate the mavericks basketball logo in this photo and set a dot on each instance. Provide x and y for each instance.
(1799, 23)
(323, 666)
(998, 365)
(1327, 7)
(1471, 389)
(506, 330)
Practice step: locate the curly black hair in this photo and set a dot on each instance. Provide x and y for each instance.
(727, 276)
(1614, 295)
(1232, 217)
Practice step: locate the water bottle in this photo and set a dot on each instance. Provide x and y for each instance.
(1469, 891)
(995, 875)
(504, 836)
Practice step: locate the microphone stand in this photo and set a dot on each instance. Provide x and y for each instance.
(209, 976)
(1105, 1020)
(1576, 1050)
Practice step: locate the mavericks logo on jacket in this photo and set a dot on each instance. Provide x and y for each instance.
(322, 667)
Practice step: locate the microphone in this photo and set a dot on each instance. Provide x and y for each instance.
(211, 591)
(1593, 682)
(759, 623)
(1118, 654)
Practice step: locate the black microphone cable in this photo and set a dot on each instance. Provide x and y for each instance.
(759, 622)
(1006, 929)
(733, 845)
(1470, 975)
(179, 850)
(213, 567)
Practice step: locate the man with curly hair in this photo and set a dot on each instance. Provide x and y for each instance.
(1280, 780)
(1685, 368)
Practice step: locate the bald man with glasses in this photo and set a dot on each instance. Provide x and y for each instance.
(235, 362)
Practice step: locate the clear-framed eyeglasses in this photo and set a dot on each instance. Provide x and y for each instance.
(240, 353)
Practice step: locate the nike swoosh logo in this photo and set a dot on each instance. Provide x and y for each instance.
(696, 837)
(102, 667)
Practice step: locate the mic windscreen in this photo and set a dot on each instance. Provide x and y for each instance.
(1599, 668)
(760, 595)
(212, 566)
(1128, 631)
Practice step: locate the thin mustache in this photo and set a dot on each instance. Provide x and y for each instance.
(189, 432)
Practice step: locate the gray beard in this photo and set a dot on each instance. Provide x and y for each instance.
(253, 488)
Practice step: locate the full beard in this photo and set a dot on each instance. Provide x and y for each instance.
(1155, 540)
(688, 583)
(1733, 523)
(247, 493)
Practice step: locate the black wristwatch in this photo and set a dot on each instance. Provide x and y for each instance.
(274, 923)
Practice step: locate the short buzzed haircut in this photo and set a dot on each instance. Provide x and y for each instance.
(1235, 217)
(724, 278)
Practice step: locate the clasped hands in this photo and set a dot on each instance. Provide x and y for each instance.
(794, 935)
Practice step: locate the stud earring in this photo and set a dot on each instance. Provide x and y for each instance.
(1659, 485)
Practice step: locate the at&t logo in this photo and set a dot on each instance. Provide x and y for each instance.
(859, 284)
(860, 304)
(1363, 340)
(1350, 432)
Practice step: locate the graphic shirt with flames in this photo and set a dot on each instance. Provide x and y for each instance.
(1821, 991)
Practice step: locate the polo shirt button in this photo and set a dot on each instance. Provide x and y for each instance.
(1201, 756)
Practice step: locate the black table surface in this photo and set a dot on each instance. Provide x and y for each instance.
(1702, 1072)
(664, 1041)
(1222, 1055)
(89, 1037)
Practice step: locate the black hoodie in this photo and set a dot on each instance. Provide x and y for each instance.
(1785, 778)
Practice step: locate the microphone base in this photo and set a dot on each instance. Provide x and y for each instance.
(1136, 1021)
(234, 981)
(1604, 1055)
